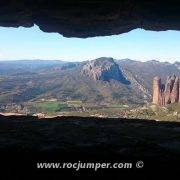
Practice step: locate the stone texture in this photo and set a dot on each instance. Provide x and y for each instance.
(156, 89)
(175, 91)
(168, 93)
(89, 18)
(104, 69)
(89, 136)
(168, 89)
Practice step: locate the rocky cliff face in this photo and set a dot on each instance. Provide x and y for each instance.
(104, 69)
(167, 93)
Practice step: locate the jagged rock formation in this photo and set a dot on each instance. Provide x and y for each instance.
(167, 93)
(89, 18)
(104, 69)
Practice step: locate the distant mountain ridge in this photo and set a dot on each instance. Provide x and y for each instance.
(146, 71)
(100, 80)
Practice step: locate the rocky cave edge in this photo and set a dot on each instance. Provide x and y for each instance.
(89, 18)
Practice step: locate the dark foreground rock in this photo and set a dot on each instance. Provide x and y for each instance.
(24, 141)
(88, 18)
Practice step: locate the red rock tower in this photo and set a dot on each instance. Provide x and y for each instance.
(175, 91)
(156, 89)
(168, 88)
(168, 93)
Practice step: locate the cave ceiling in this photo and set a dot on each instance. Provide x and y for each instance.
(90, 18)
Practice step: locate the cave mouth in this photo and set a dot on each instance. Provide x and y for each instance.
(119, 136)
(46, 74)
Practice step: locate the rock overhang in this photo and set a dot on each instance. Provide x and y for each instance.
(90, 18)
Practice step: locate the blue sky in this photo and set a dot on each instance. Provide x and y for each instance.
(32, 43)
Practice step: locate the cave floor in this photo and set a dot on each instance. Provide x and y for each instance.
(90, 138)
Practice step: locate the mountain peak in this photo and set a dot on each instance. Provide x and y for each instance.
(104, 69)
(153, 61)
(102, 61)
